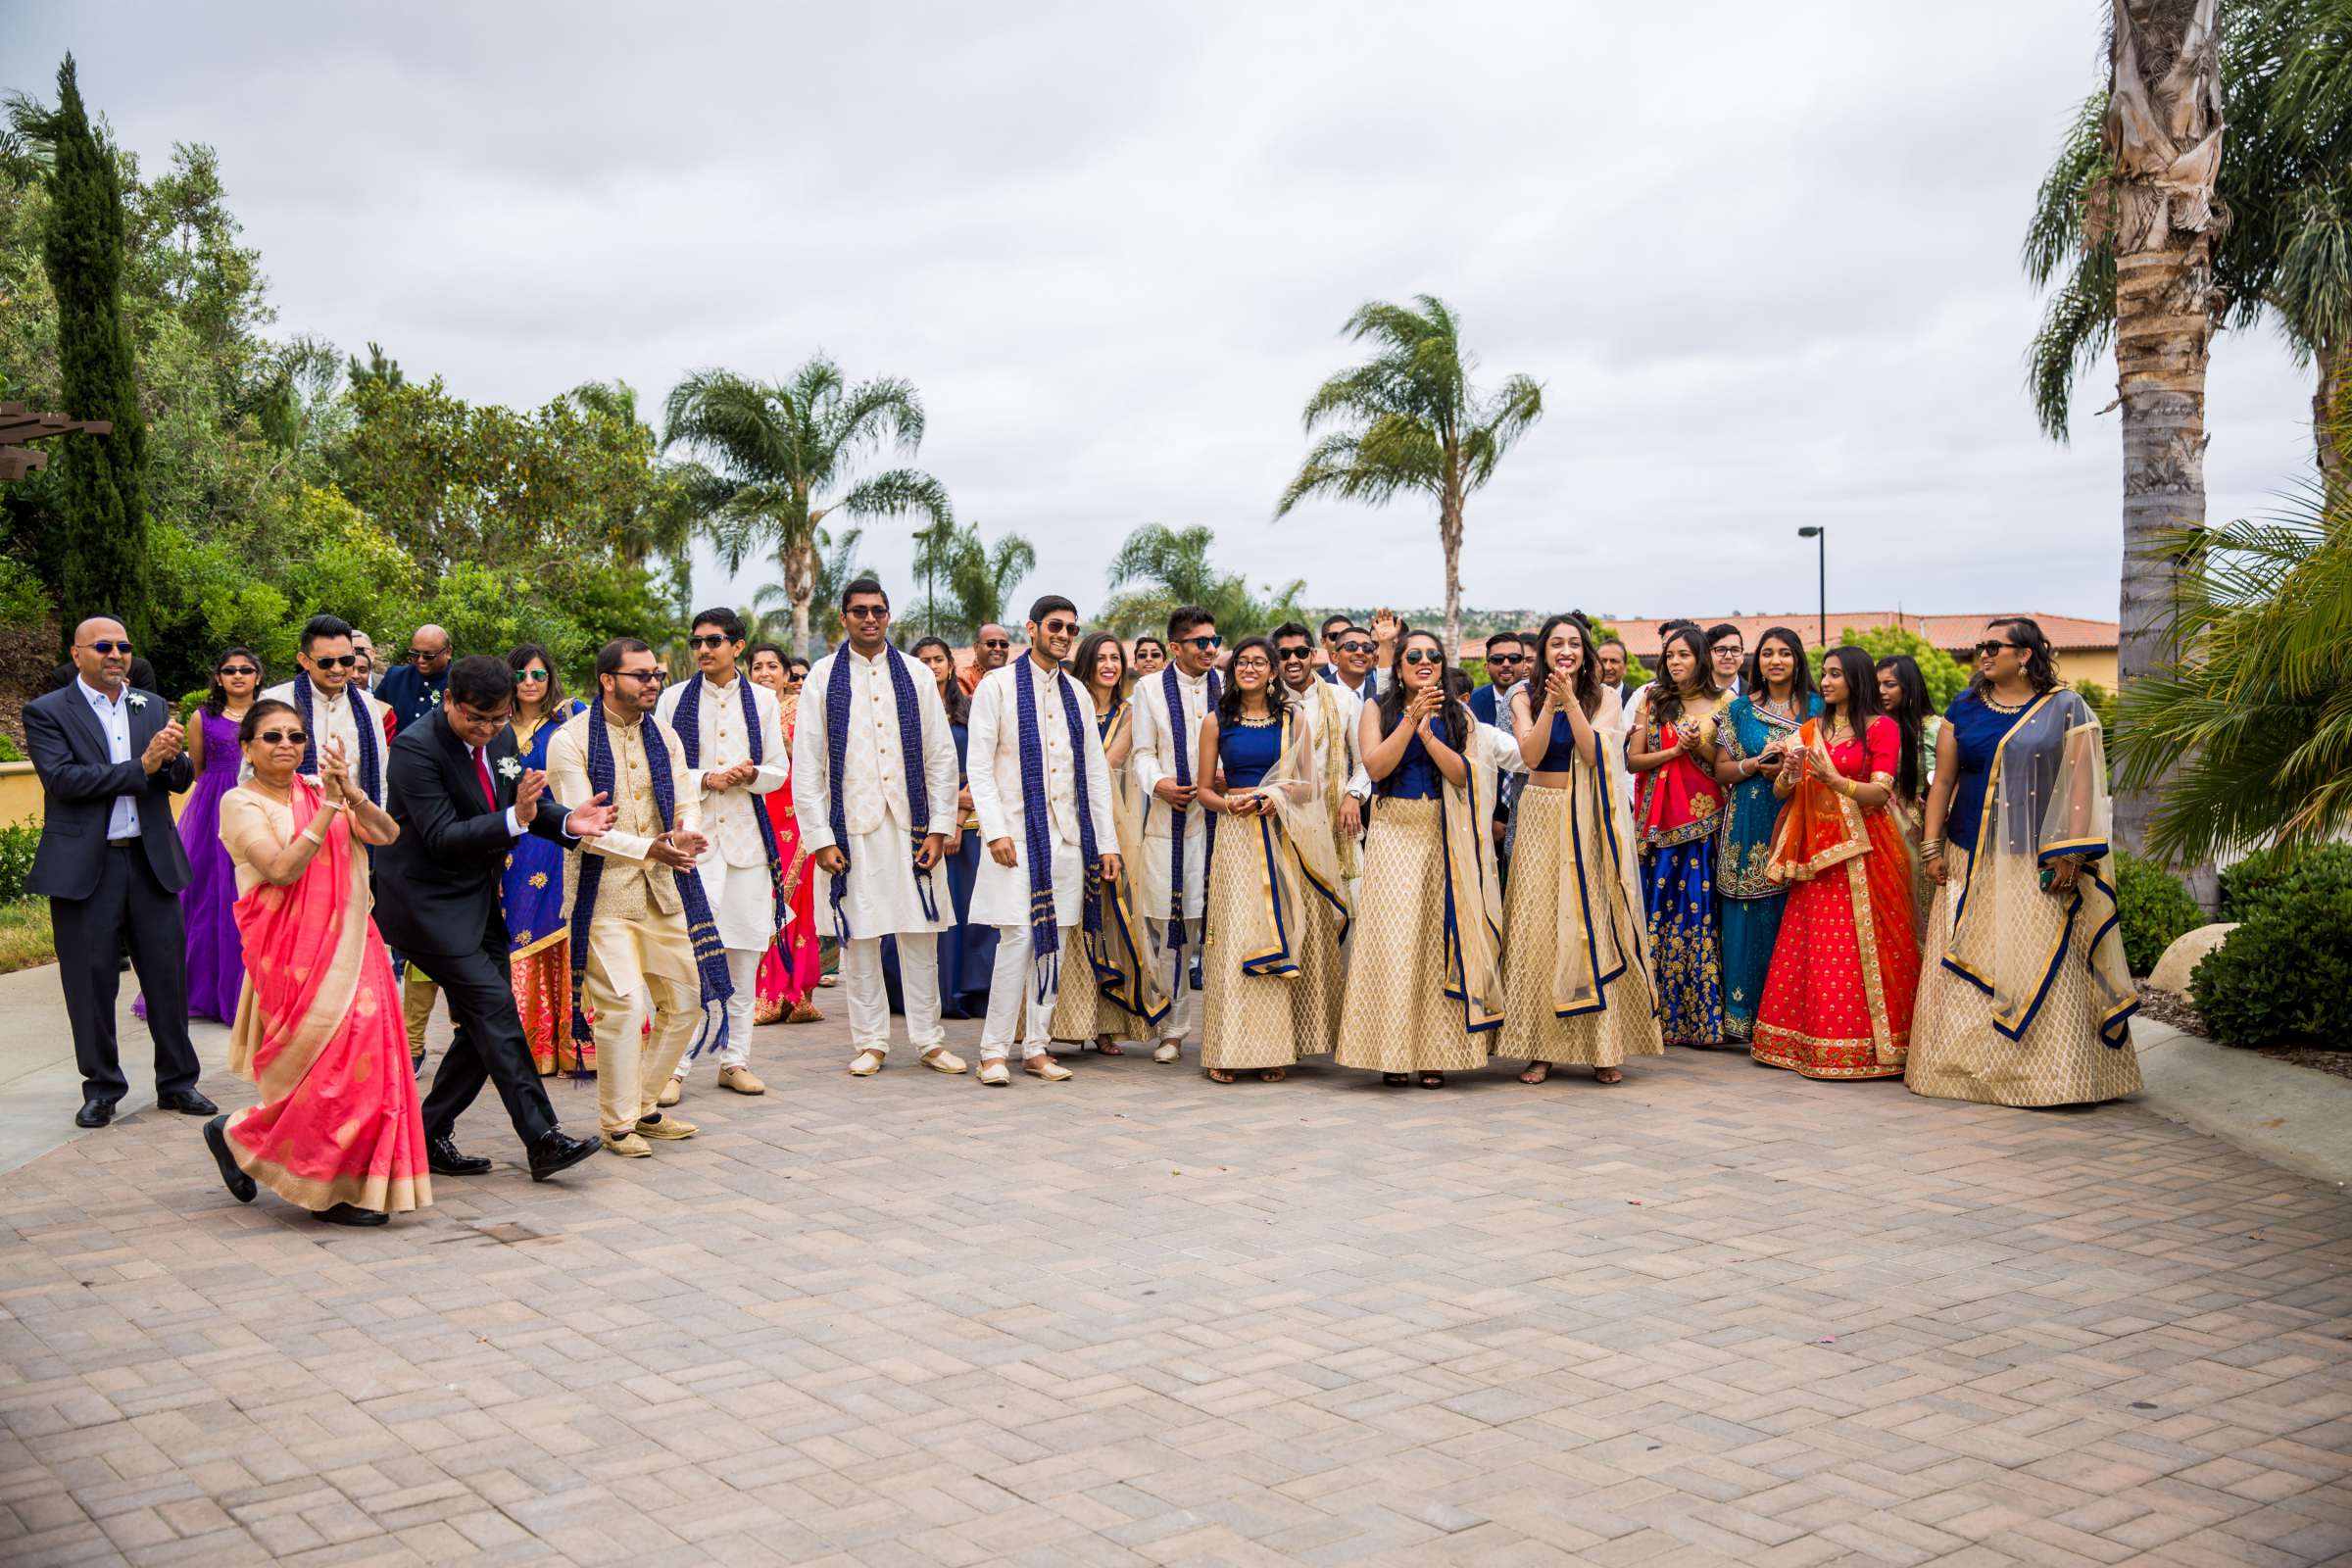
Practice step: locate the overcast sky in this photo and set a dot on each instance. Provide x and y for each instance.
(1762, 258)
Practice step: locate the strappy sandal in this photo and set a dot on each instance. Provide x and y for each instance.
(1219, 1075)
(1272, 1075)
(1537, 1072)
(1108, 1047)
(1432, 1080)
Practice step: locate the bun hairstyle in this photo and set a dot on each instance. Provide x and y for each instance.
(1587, 668)
(250, 724)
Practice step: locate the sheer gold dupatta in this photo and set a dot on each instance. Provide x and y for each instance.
(1601, 932)
(1120, 952)
(1293, 857)
(1473, 933)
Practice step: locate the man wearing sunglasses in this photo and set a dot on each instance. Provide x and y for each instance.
(111, 866)
(1330, 713)
(1354, 656)
(873, 785)
(991, 650)
(734, 742)
(331, 708)
(417, 685)
(1168, 710)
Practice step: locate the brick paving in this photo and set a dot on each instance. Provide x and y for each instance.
(1716, 1315)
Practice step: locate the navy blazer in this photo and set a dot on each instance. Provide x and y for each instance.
(438, 886)
(79, 780)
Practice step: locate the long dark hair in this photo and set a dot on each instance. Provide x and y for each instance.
(1453, 719)
(1911, 718)
(1666, 697)
(1229, 700)
(951, 695)
(1587, 668)
(2041, 666)
(1861, 688)
(1091, 650)
(1800, 681)
(520, 661)
(216, 700)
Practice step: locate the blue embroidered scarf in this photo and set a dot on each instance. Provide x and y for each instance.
(911, 771)
(372, 767)
(1037, 825)
(1171, 687)
(709, 957)
(686, 719)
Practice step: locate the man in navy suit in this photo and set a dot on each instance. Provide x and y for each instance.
(109, 758)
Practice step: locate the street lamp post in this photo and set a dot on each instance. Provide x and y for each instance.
(1821, 536)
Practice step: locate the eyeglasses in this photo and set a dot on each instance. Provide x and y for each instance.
(1205, 644)
(331, 660)
(657, 676)
(1730, 650)
(522, 675)
(236, 669)
(284, 737)
(1986, 649)
(995, 642)
(1423, 656)
(108, 648)
(1290, 655)
(866, 612)
(1355, 648)
(709, 639)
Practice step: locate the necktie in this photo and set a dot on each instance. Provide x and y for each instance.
(481, 770)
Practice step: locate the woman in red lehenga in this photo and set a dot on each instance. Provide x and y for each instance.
(1845, 966)
(788, 974)
(338, 1130)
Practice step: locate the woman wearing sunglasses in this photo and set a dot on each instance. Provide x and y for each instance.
(2027, 999)
(531, 888)
(338, 1130)
(216, 963)
(1151, 656)
(1424, 976)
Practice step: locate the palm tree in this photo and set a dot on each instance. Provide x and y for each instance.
(1410, 420)
(978, 582)
(1159, 568)
(658, 520)
(837, 568)
(778, 458)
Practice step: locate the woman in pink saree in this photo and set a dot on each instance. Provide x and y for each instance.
(338, 1130)
(788, 974)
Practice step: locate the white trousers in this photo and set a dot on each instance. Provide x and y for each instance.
(1175, 969)
(743, 968)
(869, 1001)
(1012, 983)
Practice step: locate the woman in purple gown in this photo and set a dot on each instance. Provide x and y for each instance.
(216, 960)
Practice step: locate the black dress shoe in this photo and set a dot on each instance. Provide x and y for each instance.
(442, 1156)
(187, 1102)
(232, 1176)
(94, 1113)
(352, 1214)
(559, 1151)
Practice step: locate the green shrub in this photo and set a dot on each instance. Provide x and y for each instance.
(2154, 908)
(2282, 975)
(2252, 881)
(11, 751)
(18, 840)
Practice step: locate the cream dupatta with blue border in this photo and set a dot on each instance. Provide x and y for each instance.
(1603, 931)
(1296, 860)
(1121, 951)
(2046, 799)
(1473, 934)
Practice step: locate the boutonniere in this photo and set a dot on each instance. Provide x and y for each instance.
(509, 767)
(138, 699)
(436, 699)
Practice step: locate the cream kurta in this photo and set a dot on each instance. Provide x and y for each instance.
(993, 764)
(881, 895)
(338, 718)
(1158, 738)
(636, 896)
(734, 868)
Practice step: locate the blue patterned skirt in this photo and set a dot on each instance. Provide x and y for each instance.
(1686, 952)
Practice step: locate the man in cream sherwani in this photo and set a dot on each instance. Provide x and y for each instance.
(1330, 712)
(1167, 752)
(1070, 812)
(730, 715)
(875, 714)
(641, 959)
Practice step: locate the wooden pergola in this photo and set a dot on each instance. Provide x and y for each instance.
(20, 425)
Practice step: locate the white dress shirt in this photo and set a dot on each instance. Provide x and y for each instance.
(113, 717)
(338, 717)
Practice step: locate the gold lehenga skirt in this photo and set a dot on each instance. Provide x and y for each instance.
(1396, 1017)
(1532, 1030)
(1252, 1021)
(1081, 1011)
(1956, 1053)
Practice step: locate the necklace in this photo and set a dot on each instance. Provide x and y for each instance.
(1259, 721)
(1999, 707)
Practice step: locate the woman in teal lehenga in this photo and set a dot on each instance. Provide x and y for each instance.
(1776, 697)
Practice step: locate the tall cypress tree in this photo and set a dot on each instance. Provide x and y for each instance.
(101, 491)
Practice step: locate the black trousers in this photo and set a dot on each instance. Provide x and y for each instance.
(488, 1044)
(128, 907)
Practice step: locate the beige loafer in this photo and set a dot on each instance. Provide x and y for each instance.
(993, 1075)
(1169, 1051)
(670, 1092)
(660, 1126)
(945, 1061)
(867, 1065)
(1045, 1067)
(628, 1145)
(742, 1080)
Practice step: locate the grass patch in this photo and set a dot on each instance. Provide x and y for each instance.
(25, 937)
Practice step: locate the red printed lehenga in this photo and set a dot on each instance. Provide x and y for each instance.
(788, 973)
(319, 1024)
(1845, 965)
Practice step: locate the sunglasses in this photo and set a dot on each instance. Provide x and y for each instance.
(1506, 659)
(657, 676)
(428, 653)
(710, 639)
(1054, 628)
(284, 737)
(866, 612)
(521, 675)
(108, 648)
(1205, 644)
(236, 669)
(1355, 648)
(330, 661)
(1289, 655)
(995, 642)
(1986, 650)
(1423, 656)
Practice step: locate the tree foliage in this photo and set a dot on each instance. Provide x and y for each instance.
(1159, 568)
(965, 583)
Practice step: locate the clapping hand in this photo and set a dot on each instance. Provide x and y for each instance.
(162, 747)
(527, 790)
(1559, 691)
(591, 821)
(1422, 706)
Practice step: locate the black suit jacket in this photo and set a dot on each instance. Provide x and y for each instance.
(79, 785)
(436, 887)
